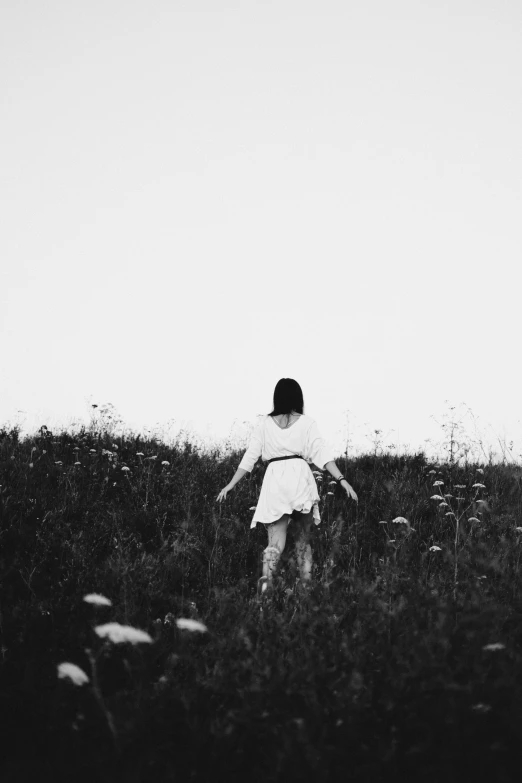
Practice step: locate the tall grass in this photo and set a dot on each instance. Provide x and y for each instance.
(403, 659)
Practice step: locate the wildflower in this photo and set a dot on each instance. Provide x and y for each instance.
(495, 646)
(185, 623)
(438, 483)
(140, 454)
(481, 707)
(448, 495)
(383, 522)
(519, 529)
(400, 521)
(479, 470)
(122, 633)
(154, 457)
(443, 505)
(460, 498)
(125, 468)
(252, 508)
(474, 519)
(114, 446)
(435, 549)
(92, 451)
(329, 493)
(165, 462)
(106, 452)
(483, 486)
(391, 540)
(436, 497)
(460, 486)
(449, 514)
(58, 462)
(96, 598)
(332, 482)
(72, 672)
(77, 463)
(480, 501)
(431, 471)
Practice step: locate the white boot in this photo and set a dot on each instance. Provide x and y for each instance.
(271, 557)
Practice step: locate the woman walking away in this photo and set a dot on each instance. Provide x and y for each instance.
(289, 441)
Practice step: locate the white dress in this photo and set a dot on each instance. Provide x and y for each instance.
(289, 484)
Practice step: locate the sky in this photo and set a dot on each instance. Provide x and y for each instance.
(199, 198)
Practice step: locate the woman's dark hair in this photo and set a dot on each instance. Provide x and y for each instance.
(288, 397)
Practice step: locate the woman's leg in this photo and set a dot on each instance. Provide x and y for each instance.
(276, 544)
(303, 528)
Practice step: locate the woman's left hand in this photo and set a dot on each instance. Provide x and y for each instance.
(222, 495)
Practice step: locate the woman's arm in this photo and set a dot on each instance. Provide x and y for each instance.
(332, 468)
(240, 472)
(238, 475)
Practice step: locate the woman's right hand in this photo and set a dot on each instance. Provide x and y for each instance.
(349, 490)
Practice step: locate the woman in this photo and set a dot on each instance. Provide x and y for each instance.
(288, 440)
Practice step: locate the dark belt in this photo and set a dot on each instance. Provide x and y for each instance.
(276, 459)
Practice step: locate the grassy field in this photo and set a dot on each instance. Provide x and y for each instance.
(404, 659)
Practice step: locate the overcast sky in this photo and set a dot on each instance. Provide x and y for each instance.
(199, 198)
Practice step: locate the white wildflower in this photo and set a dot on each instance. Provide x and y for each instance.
(443, 505)
(72, 672)
(391, 540)
(480, 501)
(122, 633)
(329, 493)
(459, 498)
(125, 468)
(436, 497)
(438, 483)
(483, 486)
(431, 471)
(519, 529)
(384, 522)
(449, 514)
(479, 470)
(186, 624)
(474, 519)
(400, 521)
(58, 462)
(495, 646)
(435, 549)
(92, 451)
(78, 463)
(96, 598)
(154, 457)
(332, 482)
(252, 508)
(140, 454)
(165, 462)
(448, 495)
(460, 486)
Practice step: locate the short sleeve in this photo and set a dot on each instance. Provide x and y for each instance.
(318, 450)
(255, 447)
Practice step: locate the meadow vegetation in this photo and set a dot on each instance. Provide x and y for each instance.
(403, 659)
